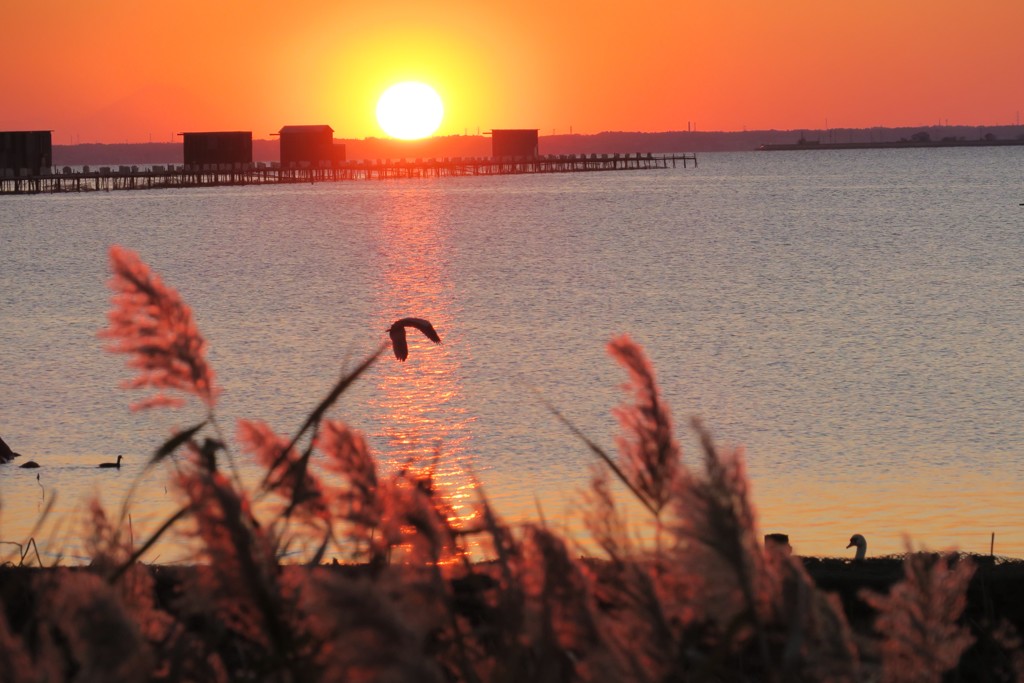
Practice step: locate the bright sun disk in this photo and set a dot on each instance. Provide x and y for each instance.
(410, 110)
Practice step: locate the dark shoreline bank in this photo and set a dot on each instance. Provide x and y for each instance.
(996, 590)
(995, 597)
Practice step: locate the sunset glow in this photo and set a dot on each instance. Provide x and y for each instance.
(410, 110)
(646, 66)
(480, 342)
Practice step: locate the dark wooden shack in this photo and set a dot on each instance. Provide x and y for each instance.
(202, 149)
(28, 152)
(311, 146)
(515, 142)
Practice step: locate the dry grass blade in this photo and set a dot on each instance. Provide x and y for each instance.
(306, 489)
(32, 543)
(318, 557)
(292, 478)
(141, 550)
(24, 550)
(252, 574)
(717, 513)
(919, 618)
(314, 418)
(599, 452)
(166, 449)
(34, 531)
(174, 443)
(602, 518)
(150, 322)
(649, 453)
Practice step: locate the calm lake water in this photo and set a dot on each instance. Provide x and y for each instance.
(854, 318)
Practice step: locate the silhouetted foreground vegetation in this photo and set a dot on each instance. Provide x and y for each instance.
(701, 600)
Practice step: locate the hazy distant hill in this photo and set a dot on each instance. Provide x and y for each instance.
(741, 141)
(602, 143)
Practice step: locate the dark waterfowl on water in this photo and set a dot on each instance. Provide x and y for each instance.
(112, 464)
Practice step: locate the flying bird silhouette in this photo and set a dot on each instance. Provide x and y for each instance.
(397, 334)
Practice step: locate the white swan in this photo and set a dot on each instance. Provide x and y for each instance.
(862, 546)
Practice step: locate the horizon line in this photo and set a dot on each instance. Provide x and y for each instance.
(583, 135)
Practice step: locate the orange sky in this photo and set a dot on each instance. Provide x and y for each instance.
(116, 71)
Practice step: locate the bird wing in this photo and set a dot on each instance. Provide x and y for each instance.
(423, 326)
(397, 334)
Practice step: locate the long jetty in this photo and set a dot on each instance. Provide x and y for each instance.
(813, 145)
(108, 178)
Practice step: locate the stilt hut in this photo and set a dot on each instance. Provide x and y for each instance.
(309, 146)
(26, 153)
(515, 143)
(217, 148)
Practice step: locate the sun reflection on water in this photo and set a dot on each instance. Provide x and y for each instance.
(420, 406)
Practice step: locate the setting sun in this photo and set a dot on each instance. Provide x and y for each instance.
(410, 110)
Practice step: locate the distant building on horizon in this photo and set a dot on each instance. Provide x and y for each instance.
(216, 148)
(309, 146)
(515, 142)
(26, 152)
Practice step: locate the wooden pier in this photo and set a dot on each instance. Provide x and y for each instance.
(107, 178)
